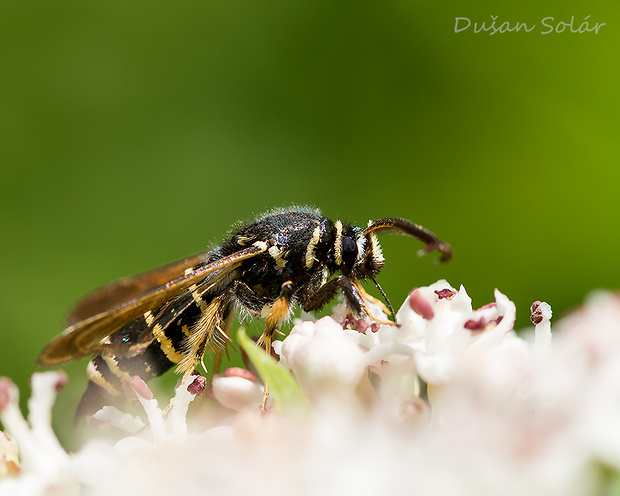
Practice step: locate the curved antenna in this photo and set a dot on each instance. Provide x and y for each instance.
(407, 228)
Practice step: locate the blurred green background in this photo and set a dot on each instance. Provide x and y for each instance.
(135, 133)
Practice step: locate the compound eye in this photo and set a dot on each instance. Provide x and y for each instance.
(349, 251)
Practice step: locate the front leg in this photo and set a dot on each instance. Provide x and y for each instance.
(324, 294)
(246, 298)
(354, 293)
(278, 312)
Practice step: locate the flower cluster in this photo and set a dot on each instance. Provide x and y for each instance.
(451, 401)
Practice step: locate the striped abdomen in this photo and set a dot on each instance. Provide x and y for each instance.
(178, 334)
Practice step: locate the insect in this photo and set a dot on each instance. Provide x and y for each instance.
(173, 315)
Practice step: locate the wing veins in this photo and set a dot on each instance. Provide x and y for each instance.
(114, 294)
(81, 339)
(147, 336)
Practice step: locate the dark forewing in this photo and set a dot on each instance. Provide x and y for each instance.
(84, 337)
(132, 288)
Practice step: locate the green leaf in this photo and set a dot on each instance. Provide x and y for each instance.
(608, 480)
(283, 388)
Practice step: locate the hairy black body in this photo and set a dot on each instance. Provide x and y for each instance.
(173, 315)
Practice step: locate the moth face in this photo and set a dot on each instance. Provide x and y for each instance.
(350, 253)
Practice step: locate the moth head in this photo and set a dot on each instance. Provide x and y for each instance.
(369, 258)
(356, 251)
(348, 249)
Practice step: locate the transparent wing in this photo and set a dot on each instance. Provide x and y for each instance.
(105, 313)
(132, 288)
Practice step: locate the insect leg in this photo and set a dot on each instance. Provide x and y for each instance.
(317, 299)
(220, 345)
(353, 292)
(277, 314)
(246, 299)
(208, 330)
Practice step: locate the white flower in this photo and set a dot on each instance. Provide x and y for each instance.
(324, 361)
(440, 326)
(507, 416)
(9, 461)
(238, 389)
(44, 463)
